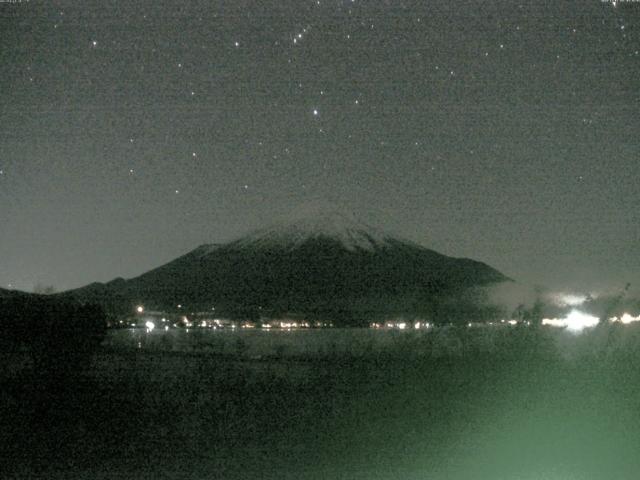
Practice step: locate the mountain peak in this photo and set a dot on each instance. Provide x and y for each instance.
(335, 225)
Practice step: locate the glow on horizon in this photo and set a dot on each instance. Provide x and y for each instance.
(569, 299)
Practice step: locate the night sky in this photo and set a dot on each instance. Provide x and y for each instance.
(132, 132)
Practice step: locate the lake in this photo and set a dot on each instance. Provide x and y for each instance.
(306, 342)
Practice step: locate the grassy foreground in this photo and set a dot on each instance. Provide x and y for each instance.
(524, 412)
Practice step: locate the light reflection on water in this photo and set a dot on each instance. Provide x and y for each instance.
(260, 342)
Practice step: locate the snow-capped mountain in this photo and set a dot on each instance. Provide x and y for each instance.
(342, 228)
(328, 266)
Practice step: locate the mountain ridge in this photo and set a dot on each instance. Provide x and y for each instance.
(330, 267)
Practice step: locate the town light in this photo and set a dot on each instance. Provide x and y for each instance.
(575, 322)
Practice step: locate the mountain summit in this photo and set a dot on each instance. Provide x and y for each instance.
(328, 266)
(342, 228)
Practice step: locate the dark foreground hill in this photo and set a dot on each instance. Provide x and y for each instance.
(327, 268)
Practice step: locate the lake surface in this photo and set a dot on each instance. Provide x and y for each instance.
(262, 342)
(357, 342)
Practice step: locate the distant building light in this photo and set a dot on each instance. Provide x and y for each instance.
(139, 309)
(626, 318)
(575, 321)
(150, 325)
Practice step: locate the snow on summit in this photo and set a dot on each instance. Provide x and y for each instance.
(338, 226)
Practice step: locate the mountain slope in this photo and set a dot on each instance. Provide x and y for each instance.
(330, 267)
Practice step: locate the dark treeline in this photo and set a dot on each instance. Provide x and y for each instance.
(59, 336)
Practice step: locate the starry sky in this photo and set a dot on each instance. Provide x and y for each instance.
(504, 131)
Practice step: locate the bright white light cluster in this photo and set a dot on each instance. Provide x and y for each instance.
(576, 321)
(625, 318)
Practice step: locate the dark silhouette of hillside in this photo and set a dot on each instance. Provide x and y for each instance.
(334, 270)
(59, 335)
